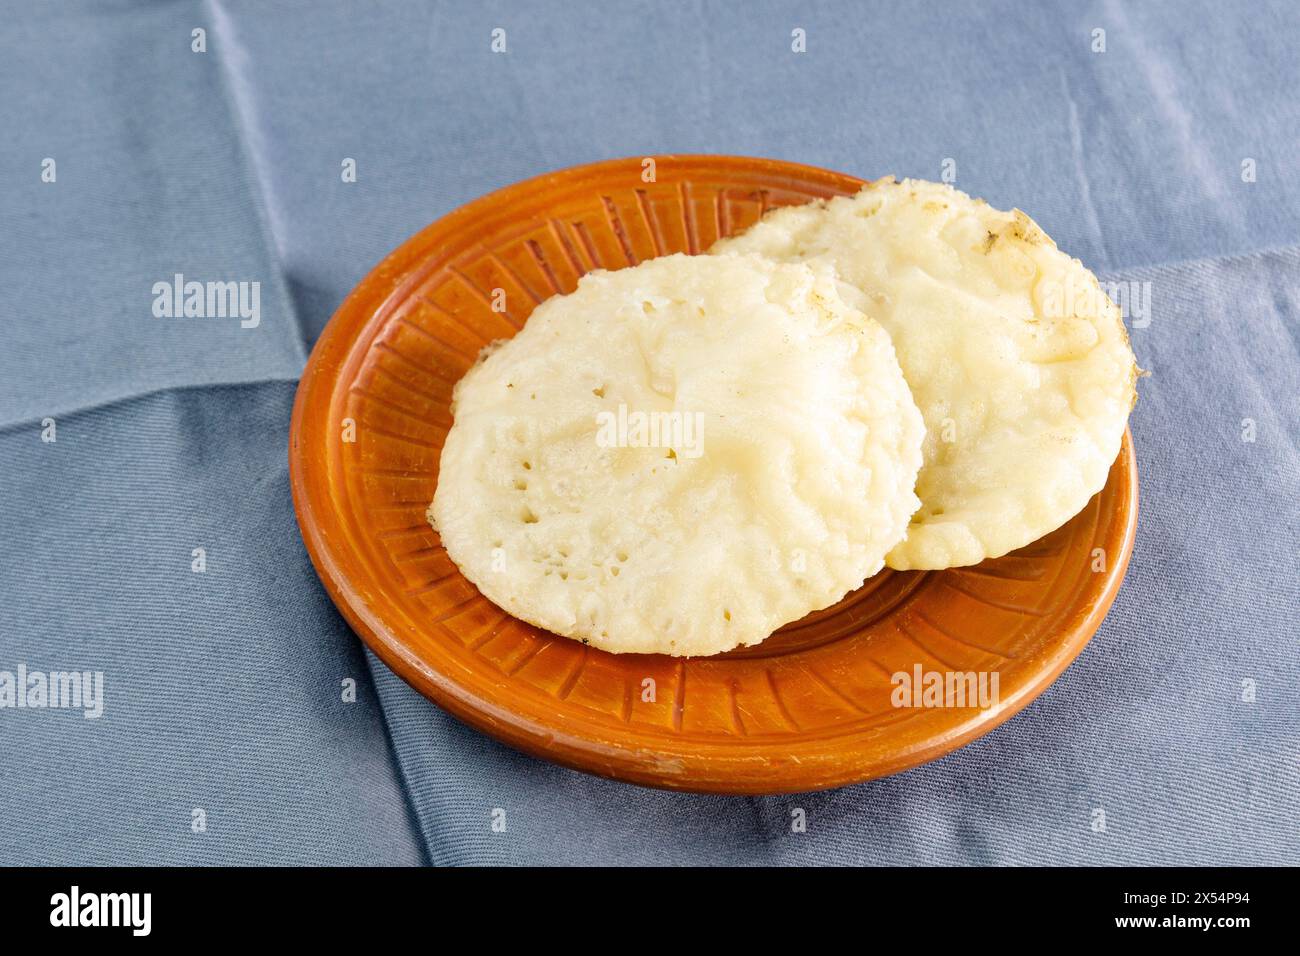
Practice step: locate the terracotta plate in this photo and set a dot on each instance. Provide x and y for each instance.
(809, 708)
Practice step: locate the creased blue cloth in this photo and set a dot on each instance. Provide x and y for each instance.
(1169, 161)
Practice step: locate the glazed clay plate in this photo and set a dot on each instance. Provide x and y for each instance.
(809, 708)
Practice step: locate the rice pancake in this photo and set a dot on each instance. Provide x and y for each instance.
(680, 457)
(1019, 362)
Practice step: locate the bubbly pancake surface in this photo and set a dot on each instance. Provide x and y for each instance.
(1019, 362)
(680, 457)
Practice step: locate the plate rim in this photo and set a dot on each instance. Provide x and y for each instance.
(345, 340)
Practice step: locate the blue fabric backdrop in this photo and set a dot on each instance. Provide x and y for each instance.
(1170, 158)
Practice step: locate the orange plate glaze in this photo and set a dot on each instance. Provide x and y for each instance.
(809, 708)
